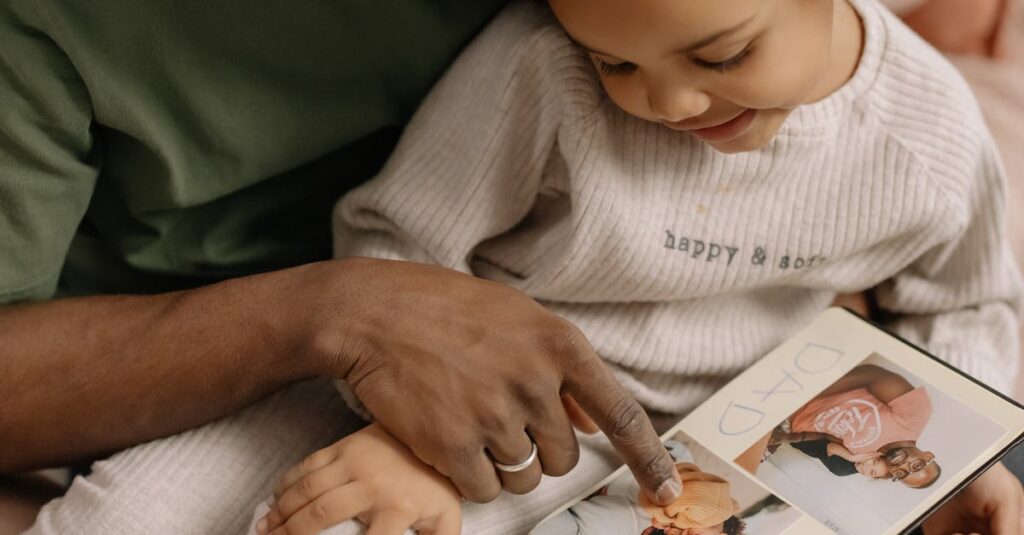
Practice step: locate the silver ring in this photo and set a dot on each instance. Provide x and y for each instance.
(519, 467)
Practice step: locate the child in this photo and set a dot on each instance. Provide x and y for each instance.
(692, 182)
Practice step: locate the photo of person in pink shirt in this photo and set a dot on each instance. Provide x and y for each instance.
(879, 441)
(875, 417)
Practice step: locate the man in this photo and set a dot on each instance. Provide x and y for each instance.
(873, 411)
(169, 170)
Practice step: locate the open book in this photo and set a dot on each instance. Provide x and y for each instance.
(844, 428)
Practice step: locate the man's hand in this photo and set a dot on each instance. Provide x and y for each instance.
(467, 372)
(991, 505)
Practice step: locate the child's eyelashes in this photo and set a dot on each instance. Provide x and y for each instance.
(613, 69)
(729, 64)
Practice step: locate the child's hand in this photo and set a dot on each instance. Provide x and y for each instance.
(368, 475)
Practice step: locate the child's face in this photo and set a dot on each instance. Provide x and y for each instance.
(876, 468)
(728, 71)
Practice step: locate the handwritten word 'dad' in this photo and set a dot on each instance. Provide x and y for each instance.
(746, 412)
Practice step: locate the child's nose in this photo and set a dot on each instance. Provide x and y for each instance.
(677, 102)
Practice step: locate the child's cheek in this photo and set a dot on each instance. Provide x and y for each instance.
(630, 95)
(782, 74)
(793, 59)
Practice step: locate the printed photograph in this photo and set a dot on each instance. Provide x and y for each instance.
(871, 447)
(716, 499)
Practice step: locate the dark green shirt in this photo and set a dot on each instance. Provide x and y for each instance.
(149, 146)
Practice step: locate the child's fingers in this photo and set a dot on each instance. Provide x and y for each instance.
(333, 507)
(447, 524)
(309, 488)
(316, 461)
(390, 523)
(269, 521)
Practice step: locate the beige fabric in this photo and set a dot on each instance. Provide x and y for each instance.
(211, 479)
(999, 86)
(207, 480)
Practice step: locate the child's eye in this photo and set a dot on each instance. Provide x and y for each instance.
(729, 64)
(612, 69)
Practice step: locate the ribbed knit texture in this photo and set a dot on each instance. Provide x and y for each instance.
(211, 480)
(684, 265)
(204, 481)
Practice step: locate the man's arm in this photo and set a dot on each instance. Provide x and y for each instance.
(882, 383)
(90, 375)
(80, 377)
(751, 459)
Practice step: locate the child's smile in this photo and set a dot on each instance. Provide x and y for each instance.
(718, 131)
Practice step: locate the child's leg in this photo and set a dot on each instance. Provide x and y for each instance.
(207, 480)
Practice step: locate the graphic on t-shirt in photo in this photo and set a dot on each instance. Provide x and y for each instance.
(863, 423)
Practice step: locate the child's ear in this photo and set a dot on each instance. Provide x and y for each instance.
(1001, 36)
(961, 27)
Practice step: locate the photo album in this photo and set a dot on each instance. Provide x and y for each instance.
(844, 428)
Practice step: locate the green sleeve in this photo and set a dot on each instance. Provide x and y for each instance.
(48, 166)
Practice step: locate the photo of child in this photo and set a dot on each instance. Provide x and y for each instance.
(716, 499)
(864, 452)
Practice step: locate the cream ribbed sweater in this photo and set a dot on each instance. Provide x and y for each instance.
(684, 265)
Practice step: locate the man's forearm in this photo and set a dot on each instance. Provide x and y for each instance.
(80, 377)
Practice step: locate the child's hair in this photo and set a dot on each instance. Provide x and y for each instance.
(733, 526)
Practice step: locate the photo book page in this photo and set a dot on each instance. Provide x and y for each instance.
(844, 428)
